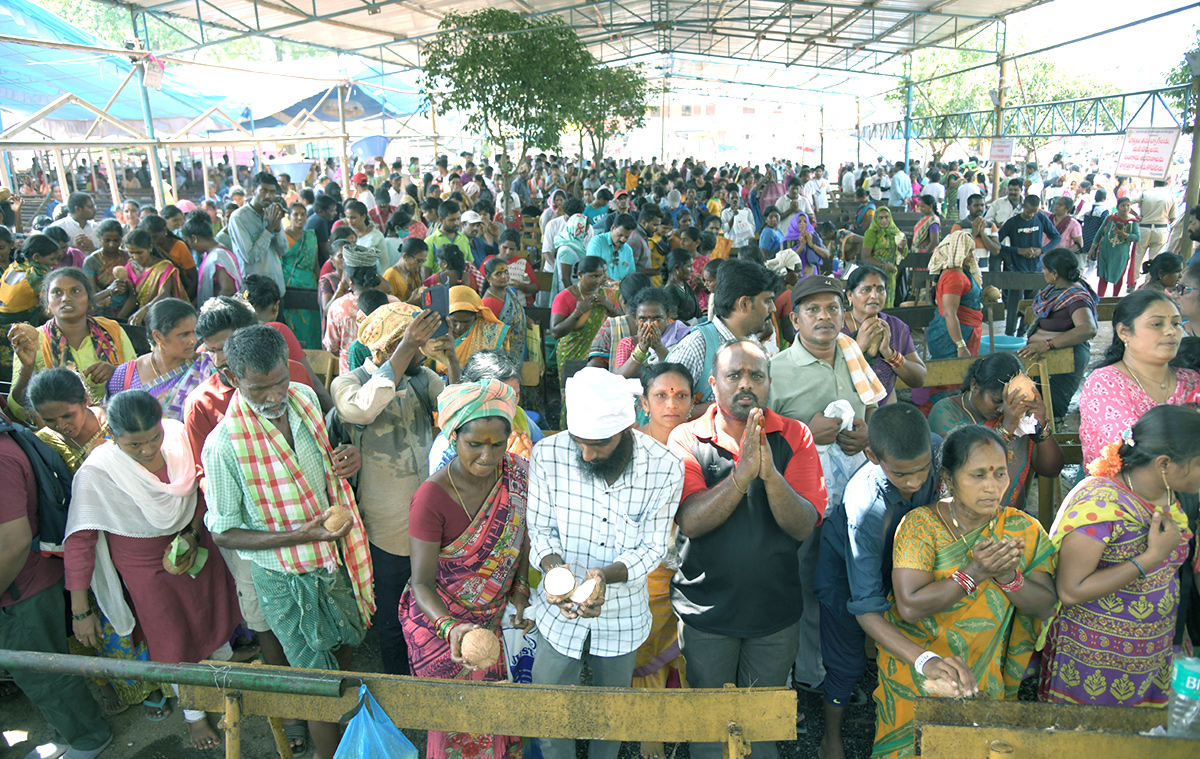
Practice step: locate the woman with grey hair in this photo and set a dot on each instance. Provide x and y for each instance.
(482, 366)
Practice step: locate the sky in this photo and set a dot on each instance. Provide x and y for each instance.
(1135, 58)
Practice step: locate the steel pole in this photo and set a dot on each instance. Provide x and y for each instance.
(908, 93)
(1193, 184)
(273, 679)
(148, 118)
(347, 193)
(858, 132)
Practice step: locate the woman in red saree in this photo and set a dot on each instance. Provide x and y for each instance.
(470, 553)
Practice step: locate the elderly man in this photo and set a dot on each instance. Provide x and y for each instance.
(271, 478)
(752, 496)
(602, 497)
(256, 231)
(388, 404)
(823, 367)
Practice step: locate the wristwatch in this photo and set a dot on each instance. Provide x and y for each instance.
(960, 343)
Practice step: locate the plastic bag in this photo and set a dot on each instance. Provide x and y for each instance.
(371, 734)
(519, 649)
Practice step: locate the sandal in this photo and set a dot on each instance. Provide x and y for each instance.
(164, 710)
(297, 732)
(112, 705)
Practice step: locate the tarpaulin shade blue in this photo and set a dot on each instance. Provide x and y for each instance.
(33, 77)
(361, 103)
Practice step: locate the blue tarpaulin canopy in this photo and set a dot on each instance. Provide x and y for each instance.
(361, 103)
(33, 77)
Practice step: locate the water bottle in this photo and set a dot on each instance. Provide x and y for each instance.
(1183, 717)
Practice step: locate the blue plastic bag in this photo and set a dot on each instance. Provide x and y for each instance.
(371, 734)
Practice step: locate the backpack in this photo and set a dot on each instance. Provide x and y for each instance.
(53, 483)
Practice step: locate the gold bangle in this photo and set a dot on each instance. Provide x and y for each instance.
(733, 477)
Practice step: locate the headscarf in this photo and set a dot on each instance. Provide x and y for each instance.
(784, 261)
(358, 255)
(877, 232)
(952, 252)
(380, 330)
(572, 234)
(600, 403)
(463, 298)
(467, 401)
(793, 230)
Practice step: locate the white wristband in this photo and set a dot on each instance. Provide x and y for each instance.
(922, 660)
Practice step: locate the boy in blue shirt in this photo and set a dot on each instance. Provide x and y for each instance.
(854, 568)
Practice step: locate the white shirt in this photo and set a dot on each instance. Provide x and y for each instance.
(936, 189)
(591, 524)
(1001, 211)
(817, 191)
(848, 182)
(73, 230)
(965, 191)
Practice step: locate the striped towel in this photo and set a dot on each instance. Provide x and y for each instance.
(866, 384)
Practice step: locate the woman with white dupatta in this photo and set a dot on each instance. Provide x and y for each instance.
(130, 500)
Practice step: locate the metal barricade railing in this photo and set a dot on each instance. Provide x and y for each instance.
(734, 717)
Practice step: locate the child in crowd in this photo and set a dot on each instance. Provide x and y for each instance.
(1163, 272)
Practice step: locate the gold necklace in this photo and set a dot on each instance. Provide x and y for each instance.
(461, 502)
(154, 366)
(962, 535)
(963, 402)
(1132, 373)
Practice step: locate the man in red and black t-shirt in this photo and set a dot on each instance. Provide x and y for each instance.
(32, 609)
(752, 491)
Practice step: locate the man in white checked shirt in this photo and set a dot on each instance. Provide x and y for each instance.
(602, 498)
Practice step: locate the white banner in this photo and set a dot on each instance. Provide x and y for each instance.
(1147, 153)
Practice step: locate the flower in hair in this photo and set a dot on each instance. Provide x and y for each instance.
(1127, 437)
(1109, 462)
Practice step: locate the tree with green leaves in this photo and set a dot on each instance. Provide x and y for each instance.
(616, 104)
(1031, 80)
(1182, 74)
(513, 78)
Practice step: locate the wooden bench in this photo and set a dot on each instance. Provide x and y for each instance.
(950, 371)
(920, 317)
(1104, 310)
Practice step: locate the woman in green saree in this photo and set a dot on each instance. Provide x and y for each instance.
(300, 270)
(972, 580)
(883, 246)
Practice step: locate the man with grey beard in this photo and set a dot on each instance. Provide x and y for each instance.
(271, 481)
(601, 500)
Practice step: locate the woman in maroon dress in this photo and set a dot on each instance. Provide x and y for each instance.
(130, 500)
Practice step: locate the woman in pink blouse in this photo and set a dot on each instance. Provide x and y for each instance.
(1135, 375)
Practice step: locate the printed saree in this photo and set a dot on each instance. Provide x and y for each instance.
(299, 270)
(1116, 650)
(985, 630)
(474, 577)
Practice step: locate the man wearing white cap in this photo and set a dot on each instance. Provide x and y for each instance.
(602, 497)
(472, 227)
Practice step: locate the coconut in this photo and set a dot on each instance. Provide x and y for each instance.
(480, 648)
(336, 516)
(559, 582)
(991, 294)
(120, 273)
(585, 592)
(940, 688)
(1023, 386)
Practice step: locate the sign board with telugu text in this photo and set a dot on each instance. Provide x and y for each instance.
(1147, 153)
(1002, 150)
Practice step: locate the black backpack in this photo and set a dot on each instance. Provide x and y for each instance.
(53, 484)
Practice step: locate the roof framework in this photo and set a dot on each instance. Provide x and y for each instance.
(838, 36)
